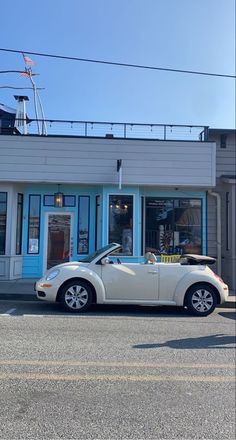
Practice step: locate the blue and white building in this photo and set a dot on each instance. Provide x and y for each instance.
(65, 195)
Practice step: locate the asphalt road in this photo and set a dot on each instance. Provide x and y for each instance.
(115, 373)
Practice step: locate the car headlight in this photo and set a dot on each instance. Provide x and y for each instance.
(52, 274)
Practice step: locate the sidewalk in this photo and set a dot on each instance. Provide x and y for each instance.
(23, 290)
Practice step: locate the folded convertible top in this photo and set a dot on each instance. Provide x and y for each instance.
(193, 259)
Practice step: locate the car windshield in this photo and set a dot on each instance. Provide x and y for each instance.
(89, 258)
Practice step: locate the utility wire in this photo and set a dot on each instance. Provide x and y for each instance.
(111, 63)
(20, 88)
(11, 71)
(16, 71)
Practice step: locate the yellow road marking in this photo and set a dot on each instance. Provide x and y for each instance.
(113, 378)
(110, 364)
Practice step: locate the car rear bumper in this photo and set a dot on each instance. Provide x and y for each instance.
(224, 294)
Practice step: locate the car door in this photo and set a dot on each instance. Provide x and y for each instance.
(130, 282)
(169, 276)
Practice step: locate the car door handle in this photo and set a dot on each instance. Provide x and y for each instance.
(153, 272)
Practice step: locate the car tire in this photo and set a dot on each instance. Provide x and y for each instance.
(76, 296)
(201, 300)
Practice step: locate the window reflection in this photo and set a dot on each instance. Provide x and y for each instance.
(173, 226)
(34, 224)
(121, 222)
(19, 223)
(59, 226)
(83, 225)
(3, 221)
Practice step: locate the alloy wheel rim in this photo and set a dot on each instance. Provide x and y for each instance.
(202, 300)
(76, 297)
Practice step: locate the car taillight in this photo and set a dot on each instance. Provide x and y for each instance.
(219, 278)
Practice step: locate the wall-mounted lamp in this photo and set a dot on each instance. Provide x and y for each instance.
(58, 198)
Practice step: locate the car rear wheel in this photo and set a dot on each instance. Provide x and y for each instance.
(76, 296)
(201, 300)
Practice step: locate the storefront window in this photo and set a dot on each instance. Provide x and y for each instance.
(19, 224)
(173, 226)
(34, 224)
(121, 222)
(3, 221)
(83, 225)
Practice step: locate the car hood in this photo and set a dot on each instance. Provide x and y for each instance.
(68, 265)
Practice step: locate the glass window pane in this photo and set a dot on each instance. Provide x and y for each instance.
(3, 197)
(121, 222)
(188, 227)
(159, 225)
(34, 224)
(3, 221)
(3, 208)
(59, 227)
(19, 224)
(69, 201)
(83, 225)
(173, 226)
(48, 200)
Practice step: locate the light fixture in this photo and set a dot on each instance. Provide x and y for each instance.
(58, 198)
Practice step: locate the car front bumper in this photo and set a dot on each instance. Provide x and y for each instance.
(46, 290)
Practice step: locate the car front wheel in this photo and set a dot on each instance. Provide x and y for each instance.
(76, 296)
(201, 300)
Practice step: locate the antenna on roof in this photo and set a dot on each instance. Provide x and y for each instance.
(29, 74)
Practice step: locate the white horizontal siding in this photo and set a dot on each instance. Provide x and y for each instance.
(86, 160)
(225, 157)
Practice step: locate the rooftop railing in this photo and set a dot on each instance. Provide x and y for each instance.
(104, 129)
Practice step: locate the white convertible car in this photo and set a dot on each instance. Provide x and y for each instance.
(103, 279)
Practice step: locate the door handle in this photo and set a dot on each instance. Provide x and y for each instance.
(153, 272)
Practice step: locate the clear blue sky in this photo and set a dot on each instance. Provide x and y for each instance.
(183, 34)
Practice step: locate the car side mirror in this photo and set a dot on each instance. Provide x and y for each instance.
(105, 261)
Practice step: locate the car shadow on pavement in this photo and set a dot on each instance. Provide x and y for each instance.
(229, 315)
(213, 341)
(51, 309)
(101, 310)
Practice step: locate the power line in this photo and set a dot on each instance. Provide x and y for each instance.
(11, 71)
(17, 71)
(20, 88)
(112, 63)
